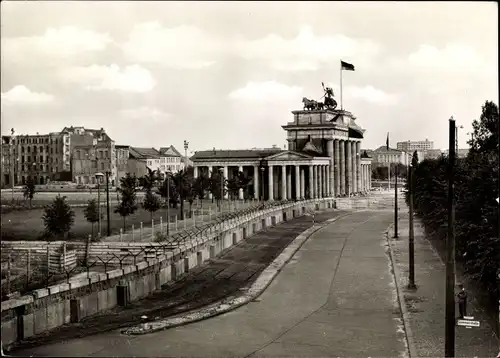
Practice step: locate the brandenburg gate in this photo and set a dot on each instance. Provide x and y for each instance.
(323, 159)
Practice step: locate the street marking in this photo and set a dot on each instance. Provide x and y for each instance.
(468, 324)
(469, 317)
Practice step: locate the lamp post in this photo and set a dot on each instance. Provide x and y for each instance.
(98, 177)
(13, 163)
(107, 203)
(221, 171)
(396, 202)
(456, 137)
(168, 204)
(262, 169)
(411, 241)
(186, 146)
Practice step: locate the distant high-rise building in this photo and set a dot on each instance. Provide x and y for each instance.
(410, 146)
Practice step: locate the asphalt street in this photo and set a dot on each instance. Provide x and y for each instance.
(336, 297)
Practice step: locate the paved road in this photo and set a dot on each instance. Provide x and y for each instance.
(334, 298)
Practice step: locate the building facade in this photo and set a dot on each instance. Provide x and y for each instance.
(93, 151)
(173, 159)
(411, 146)
(323, 160)
(122, 161)
(42, 158)
(383, 156)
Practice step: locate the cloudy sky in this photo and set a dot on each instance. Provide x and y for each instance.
(227, 74)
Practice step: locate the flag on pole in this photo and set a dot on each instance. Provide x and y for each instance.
(346, 66)
(387, 141)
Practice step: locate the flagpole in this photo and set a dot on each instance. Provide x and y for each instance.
(342, 111)
(341, 97)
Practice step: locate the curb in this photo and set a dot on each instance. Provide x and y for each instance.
(404, 312)
(231, 303)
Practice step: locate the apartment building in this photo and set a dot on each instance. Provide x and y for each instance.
(174, 161)
(411, 146)
(93, 151)
(41, 157)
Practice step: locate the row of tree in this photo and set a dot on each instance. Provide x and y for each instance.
(174, 189)
(177, 188)
(476, 183)
(382, 173)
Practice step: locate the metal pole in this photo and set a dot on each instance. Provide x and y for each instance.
(99, 206)
(450, 251)
(221, 190)
(411, 242)
(107, 202)
(396, 204)
(12, 160)
(168, 206)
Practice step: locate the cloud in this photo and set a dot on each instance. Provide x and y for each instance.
(307, 51)
(452, 58)
(183, 47)
(188, 47)
(266, 91)
(370, 94)
(22, 95)
(64, 42)
(145, 113)
(130, 79)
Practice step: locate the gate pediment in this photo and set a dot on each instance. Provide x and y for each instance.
(289, 155)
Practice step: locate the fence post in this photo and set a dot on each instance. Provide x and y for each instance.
(161, 225)
(28, 267)
(87, 251)
(64, 256)
(133, 233)
(184, 221)
(209, 213)
(175, 222)
(8, 274)
(121, 234)
(48, 260)
(194, 220)
(153, 228)
(140, 234)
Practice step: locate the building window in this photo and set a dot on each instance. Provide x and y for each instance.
(41, 159)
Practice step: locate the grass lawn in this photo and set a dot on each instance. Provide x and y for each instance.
(28, 224)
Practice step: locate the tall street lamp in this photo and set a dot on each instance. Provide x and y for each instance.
(108, 173)
(221, 171)
(98, 177)
(456, 137)
(261, 197)
(12, 159)
(186, 146)
(168, 174)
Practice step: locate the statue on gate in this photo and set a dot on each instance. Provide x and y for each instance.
(330, 103)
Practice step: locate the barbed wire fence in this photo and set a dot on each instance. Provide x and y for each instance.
(62, 263)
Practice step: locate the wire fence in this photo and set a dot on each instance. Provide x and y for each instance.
(25, 270)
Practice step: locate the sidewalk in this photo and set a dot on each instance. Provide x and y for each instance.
(233, 271)
(426, 305)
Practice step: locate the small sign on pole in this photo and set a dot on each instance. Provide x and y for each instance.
(468, 323)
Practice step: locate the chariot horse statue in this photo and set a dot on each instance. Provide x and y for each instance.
(309, 103)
